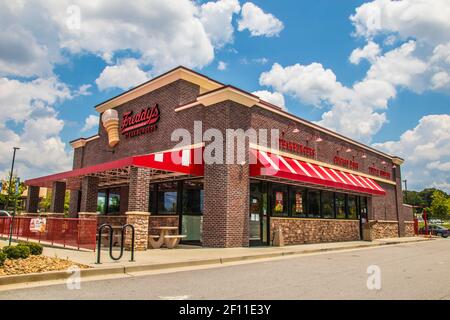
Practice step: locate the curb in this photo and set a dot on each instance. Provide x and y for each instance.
(86, 273)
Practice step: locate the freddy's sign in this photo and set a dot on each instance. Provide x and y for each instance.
(140, 123)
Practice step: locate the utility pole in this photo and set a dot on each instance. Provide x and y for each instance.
(9, 194)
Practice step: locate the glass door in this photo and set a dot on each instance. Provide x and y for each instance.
(192, 211)
(258, 215)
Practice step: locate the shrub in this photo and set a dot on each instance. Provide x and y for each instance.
(2, 258)
(17, 252)
(35, 248)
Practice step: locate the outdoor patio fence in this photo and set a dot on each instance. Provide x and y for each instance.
(65, 232)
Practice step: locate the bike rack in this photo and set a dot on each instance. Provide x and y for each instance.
(122, 241)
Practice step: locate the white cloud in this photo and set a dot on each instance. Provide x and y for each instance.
(90, 123)
(31, 106)
(222, 66)
(247, 61)
(216, 18)
(41, 149)
(400, 67)
(311, 83)
(422, 63)
(440, 80)
(21, 54)
(275, 98)
(426, 150)
(21, 100)
(83, 90)
(258, 22)
(426, 21)
(163, 33)
(315, 85)
(370, 52)
(124, 75)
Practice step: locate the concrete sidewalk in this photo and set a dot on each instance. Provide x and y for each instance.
(186, 254)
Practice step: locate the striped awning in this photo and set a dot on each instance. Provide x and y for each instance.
(274, 165)
(187, 161)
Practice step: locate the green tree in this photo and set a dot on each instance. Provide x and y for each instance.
(9, 196)
(427, 196)
(47, 201)
(440, 205)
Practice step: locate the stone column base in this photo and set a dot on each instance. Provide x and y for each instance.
(139, 220)
(409, 229)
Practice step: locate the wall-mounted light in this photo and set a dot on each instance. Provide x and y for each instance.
(319, 139)
(364, 156)
(348, 150)
(296, 130)
(383, 162)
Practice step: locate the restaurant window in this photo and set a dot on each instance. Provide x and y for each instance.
(298, 202)
(108, 201)
(101, 202)
(113, 201)
(327, 204)
(193, 197)
(152, 199)
(167, 198)
(352, 207)
(313, 199)
(280, 200)
(340, 206)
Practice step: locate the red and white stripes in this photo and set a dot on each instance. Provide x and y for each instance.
(269, 164)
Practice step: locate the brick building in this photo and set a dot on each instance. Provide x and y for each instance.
(315, 186)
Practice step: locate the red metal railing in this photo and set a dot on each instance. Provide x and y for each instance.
(74, 233)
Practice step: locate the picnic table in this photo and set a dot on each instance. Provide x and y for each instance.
(171, 241)
(116, 235)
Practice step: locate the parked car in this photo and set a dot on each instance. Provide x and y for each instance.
(4, 213)
(436, 230)
(436, 221)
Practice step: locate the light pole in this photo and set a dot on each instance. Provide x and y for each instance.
(9, 194)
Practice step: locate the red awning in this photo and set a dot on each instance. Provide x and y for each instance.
(273, 165)
(184, 161)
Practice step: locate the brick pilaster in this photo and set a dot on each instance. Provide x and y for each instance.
(139, 189)
(58, 197)
(73, 203)
(89, 194)
(32, 199)
(226, 212)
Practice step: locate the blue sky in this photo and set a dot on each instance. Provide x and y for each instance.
(384, 65)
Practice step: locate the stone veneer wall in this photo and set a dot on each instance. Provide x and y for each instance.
(409, 229)
(301, 230)
(383, 229)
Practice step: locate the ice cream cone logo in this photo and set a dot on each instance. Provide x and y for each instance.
(110, 120)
